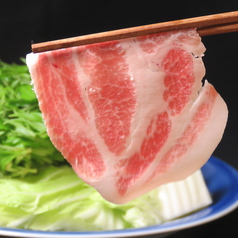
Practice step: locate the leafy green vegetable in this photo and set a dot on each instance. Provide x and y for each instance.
(24, 144)
(56, 199)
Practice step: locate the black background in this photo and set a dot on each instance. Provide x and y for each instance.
(43, 20)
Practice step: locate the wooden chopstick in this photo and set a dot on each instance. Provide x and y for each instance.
(206, 25)
(219, 29)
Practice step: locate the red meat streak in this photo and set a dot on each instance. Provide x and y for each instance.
(190, 134)
(179, 79)
(135, 166)
(59, 87)
(111, 93)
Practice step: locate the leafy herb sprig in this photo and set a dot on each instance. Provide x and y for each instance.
(24, 144)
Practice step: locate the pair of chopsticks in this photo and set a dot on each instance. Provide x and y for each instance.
(206, 25)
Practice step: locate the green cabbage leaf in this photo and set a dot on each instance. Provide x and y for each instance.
(56, 199)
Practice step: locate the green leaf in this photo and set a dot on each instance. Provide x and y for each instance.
(24, 144)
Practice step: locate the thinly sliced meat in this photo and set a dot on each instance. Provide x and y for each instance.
(130, 115)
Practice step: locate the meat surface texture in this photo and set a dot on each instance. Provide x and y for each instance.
(130, 115)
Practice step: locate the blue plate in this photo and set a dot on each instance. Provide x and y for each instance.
(222, 182)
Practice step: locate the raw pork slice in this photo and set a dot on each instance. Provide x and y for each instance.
(130, 115)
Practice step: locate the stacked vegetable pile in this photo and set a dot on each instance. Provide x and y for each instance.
(38, 188)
